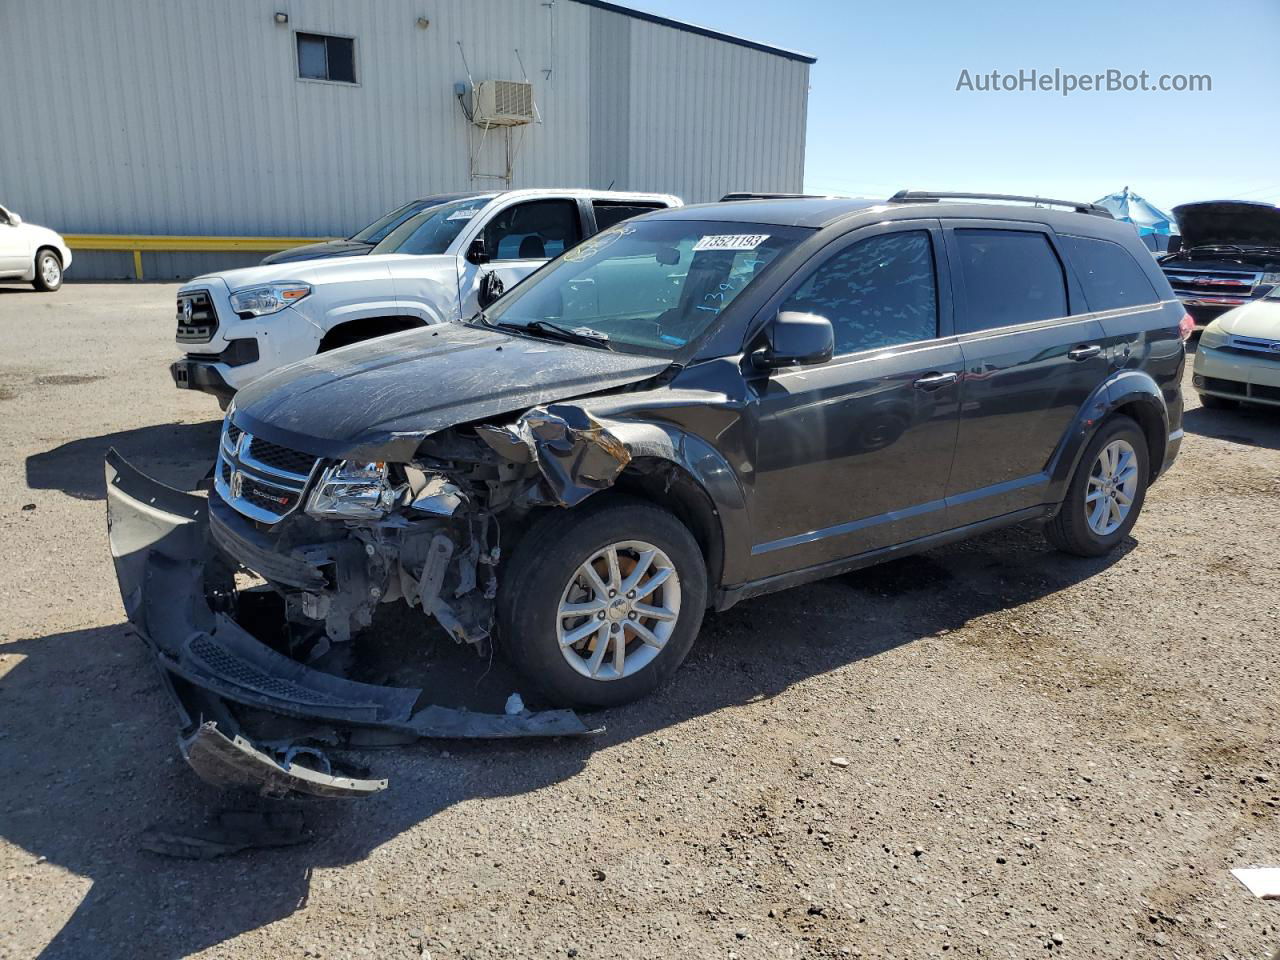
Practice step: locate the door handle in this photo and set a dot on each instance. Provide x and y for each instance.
(932, 381)
(1084, 353)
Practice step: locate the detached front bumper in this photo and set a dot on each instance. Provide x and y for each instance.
(179, 595)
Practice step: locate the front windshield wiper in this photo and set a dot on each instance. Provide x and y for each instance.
(584, 335)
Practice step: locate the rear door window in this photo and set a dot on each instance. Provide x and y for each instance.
(537, 230)
(1010, 277)
(609, 212)
(879, 292)
(1110, 275)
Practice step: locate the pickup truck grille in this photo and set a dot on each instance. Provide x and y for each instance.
(1213, 286)
(197, 318)
(262, 480)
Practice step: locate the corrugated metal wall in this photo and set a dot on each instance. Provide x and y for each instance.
(173, 116)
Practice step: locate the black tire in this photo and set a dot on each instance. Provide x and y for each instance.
(1069, 530)
(47, 262)
(544, 564)
(1210, 402)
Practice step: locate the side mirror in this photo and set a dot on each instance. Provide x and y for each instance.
(1175, 243)
(15, 220)
(476, 253)
(795, 340)
(491, 288)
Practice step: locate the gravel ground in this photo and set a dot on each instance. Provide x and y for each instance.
(1045, 755)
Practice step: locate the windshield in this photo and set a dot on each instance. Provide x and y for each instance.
(383, 225)
(433, 229)
(655, 285)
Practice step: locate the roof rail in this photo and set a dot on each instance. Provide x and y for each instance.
(931, 196)
(768, 196)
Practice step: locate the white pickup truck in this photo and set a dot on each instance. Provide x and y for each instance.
(442, 264)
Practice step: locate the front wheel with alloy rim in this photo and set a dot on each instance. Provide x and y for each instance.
(48, 271)
(599, 606)
(1107, 492)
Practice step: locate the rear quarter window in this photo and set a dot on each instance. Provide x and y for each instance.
(1010, 277)
(1109, 274)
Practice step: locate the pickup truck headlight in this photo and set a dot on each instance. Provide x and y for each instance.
(1212, 337)
(272, 298)
(353, 491)
(1271, 278)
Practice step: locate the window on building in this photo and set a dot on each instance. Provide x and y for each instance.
(537, 230)
(326, 58)
(1010, 277)
(1110, 275)
(609, 212)
(877, 293)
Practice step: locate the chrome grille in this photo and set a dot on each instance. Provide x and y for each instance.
(1213, 286)
(262, 480)
(197, 318)
(1254, 346)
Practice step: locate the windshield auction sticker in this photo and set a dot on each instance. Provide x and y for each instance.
(462, 214)
(731, 241)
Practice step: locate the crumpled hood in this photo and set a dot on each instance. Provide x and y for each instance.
(1241, 222)
(1259, 319)
(331, 270)
(379, 399)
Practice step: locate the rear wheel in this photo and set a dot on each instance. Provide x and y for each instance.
(600, 605)
(48, 271)
(1210, 402)
(1106, 494)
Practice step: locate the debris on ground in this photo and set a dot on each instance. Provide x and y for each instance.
(228, 832)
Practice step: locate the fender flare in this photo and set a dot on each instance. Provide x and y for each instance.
(384, 307)
(1120, 389)
(709, 471)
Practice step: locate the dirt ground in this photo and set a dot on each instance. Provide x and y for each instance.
(1046, 755)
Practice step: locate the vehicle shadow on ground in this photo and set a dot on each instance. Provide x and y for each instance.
(178, 454)
(1251, 426)
(89, 758)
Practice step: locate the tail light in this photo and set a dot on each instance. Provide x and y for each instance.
(1186, 326)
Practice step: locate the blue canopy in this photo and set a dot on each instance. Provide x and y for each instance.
(1152, 223)
(1131, 208)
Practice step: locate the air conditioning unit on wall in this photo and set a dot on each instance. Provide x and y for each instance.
(502, 103)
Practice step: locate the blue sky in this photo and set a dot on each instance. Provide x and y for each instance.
(884, 112)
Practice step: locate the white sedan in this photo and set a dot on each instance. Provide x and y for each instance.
(31, 254)
(1238, 359)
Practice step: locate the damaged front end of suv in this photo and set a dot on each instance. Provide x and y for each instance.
(446, 468)
(391, 516)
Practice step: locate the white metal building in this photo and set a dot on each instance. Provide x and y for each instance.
(312, 117)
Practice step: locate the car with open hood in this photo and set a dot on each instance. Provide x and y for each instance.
(441, 263)
(691, 408)
(1229, 255)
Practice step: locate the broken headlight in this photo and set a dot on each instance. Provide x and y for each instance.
(353, 491)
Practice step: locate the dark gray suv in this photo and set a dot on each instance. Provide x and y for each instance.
(691, 408)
